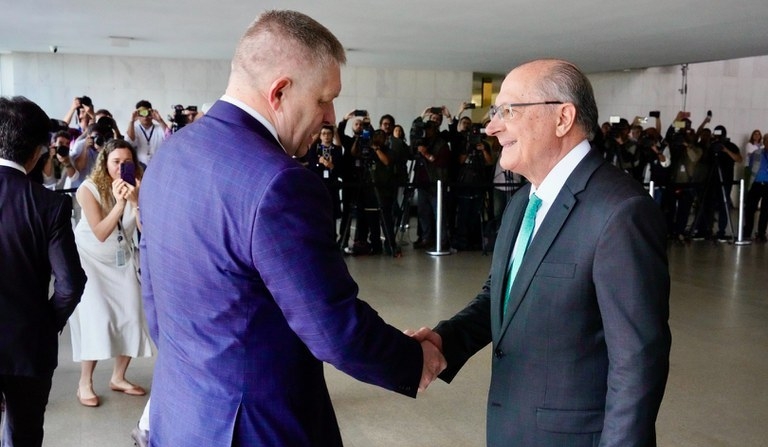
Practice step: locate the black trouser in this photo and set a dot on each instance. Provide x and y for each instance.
(25, 401)
(757, 192)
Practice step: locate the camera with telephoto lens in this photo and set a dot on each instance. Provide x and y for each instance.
(178, 119)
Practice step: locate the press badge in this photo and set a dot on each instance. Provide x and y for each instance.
(326, 174)
(120, 257)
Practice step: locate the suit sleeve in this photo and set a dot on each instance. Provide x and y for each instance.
(466, 333)
(68, 274)
(148, 297)
(294, 233)
(632, 287)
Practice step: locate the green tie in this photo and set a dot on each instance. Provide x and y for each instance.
(524, 239)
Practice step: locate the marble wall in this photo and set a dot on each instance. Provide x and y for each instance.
(735, 90)
(117, 83)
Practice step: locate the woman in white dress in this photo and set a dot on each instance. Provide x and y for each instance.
(109, 321)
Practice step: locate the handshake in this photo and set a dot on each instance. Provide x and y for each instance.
(432, 347)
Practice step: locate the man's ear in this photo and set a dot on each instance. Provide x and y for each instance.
(566, 119)
(32, 162)
(278, 90)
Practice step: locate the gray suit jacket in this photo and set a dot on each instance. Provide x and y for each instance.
(581, 357)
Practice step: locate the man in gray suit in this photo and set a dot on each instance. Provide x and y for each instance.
(580, 329)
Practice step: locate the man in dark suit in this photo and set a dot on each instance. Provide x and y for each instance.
(580, 334)
(35, 239)
(245, 291)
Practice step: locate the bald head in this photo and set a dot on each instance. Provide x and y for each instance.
(562, 81)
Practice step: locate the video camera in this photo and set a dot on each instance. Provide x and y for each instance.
(475, 135)
(178, 119)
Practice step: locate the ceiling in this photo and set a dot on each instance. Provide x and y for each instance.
(491, 36)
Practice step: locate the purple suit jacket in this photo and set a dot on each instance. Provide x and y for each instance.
(230, 224)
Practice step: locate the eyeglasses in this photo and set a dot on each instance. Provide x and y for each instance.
(504, 111)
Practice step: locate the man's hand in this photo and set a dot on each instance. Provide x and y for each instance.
(434, 364)
(426, 334)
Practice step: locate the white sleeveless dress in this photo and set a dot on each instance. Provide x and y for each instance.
(109, 321)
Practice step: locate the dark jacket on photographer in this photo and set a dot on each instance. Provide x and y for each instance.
(725, 155)
(433, 157)
(328, 172)
(378, 160)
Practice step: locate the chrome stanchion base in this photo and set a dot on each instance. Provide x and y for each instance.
(440, 253)
(747, 242)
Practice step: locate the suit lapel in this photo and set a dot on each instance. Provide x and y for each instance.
(510, 226)
(556, 217)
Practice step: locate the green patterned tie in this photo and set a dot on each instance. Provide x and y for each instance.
(524, 239)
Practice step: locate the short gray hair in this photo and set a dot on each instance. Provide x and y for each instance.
(305, 40)
(565, 82)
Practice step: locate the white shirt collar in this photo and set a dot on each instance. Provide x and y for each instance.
(554, 181)
(12, 164)
(256, 115)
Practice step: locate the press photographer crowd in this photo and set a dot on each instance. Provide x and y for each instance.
(378, 177)
(374, 174)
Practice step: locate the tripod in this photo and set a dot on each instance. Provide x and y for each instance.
(385, 219)
(403, 210)
(705, 197)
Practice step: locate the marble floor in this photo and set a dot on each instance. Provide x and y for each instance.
(717, 394)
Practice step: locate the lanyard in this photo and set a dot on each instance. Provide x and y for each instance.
(152, 131)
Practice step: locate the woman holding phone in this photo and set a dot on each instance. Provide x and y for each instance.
(109, 321)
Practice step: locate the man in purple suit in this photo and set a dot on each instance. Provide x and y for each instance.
(230, 224)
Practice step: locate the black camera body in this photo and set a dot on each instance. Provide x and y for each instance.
(475, 135)
(62, 151)
(178, 119)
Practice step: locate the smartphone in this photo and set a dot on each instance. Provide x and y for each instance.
(678, 124)
(471, 105)
(614, 119)
(128, 172)
(709, 113)
(436, 110)
(654, 114)
(361, 113)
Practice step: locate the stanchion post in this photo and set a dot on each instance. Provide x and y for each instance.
(740, 240)
(439, 222)
(651, 188)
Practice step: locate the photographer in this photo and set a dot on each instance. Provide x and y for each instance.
(686, 155)
(82, 110)
(321, 159)
(374, 153)
(143, 133)
(475, 161)
(349, 171)
(182, 116)
(58, 166)
(432, 161)
(656, 160)
(621, 151)
(758, 191)
(724, 155)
